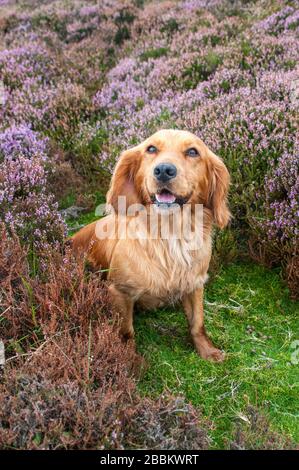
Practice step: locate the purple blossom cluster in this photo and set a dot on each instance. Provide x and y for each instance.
(282, 200)
(199, 4)
(52, 54)
(26, 207)
(125, 92)
(55, 54)
(26, 64)
(283, 20)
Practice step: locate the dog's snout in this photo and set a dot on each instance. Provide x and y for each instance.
(165, 172)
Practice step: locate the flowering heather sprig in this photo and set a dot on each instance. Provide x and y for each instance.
(62, 23)
(54, 109)
(245, 121)
(282, 200)
(124, 93)
(17, 142)
(26, 207)
(285, 19)
(229, 116)
(22, 63)
(199, 4)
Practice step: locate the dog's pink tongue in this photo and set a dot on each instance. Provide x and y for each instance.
(165, 198)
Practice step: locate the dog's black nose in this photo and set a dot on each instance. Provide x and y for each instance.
(165, 172)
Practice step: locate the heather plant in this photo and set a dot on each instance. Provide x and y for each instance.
(27, 206)
(107, 415)
(70, 105)
(56, 110)
(283, 20)
(47, 300)
(88, 145)
(69, 380)
(257, 434)
(282, 186)
(26, 63)
(46, 70)
(275, 230)
(254, 130)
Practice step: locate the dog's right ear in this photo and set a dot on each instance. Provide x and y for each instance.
(219, 180)
(123, 180)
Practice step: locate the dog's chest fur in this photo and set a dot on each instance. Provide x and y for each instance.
(159, 271)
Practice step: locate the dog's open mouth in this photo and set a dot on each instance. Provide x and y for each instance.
(166, 198)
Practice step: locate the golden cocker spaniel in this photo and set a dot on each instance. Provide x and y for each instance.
(148, 265)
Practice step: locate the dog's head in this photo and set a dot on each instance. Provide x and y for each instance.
(172, 167)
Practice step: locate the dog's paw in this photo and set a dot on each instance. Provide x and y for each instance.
(127, 334)
(213, 355)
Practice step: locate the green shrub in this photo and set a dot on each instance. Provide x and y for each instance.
(121, 35)
(154, 53)
(201, 70)
(170, 27)
(86, 149)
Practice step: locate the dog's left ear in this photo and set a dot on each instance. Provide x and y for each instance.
(123, 179)
(219, 180)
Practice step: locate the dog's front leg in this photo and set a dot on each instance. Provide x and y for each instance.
(124, 305)
(193, 307)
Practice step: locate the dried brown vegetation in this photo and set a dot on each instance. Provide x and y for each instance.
(69, 381)
(257, 434)
(270, 256)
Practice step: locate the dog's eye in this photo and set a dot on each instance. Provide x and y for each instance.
(152, 149)
(192, 152)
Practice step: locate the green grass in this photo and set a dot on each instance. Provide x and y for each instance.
(81, 221)
(258, 370)
(249, 314)
(85, 218)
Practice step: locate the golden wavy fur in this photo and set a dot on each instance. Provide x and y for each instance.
(170, 167)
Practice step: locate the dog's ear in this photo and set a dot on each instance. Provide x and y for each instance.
(123, 180)
(218, 186)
